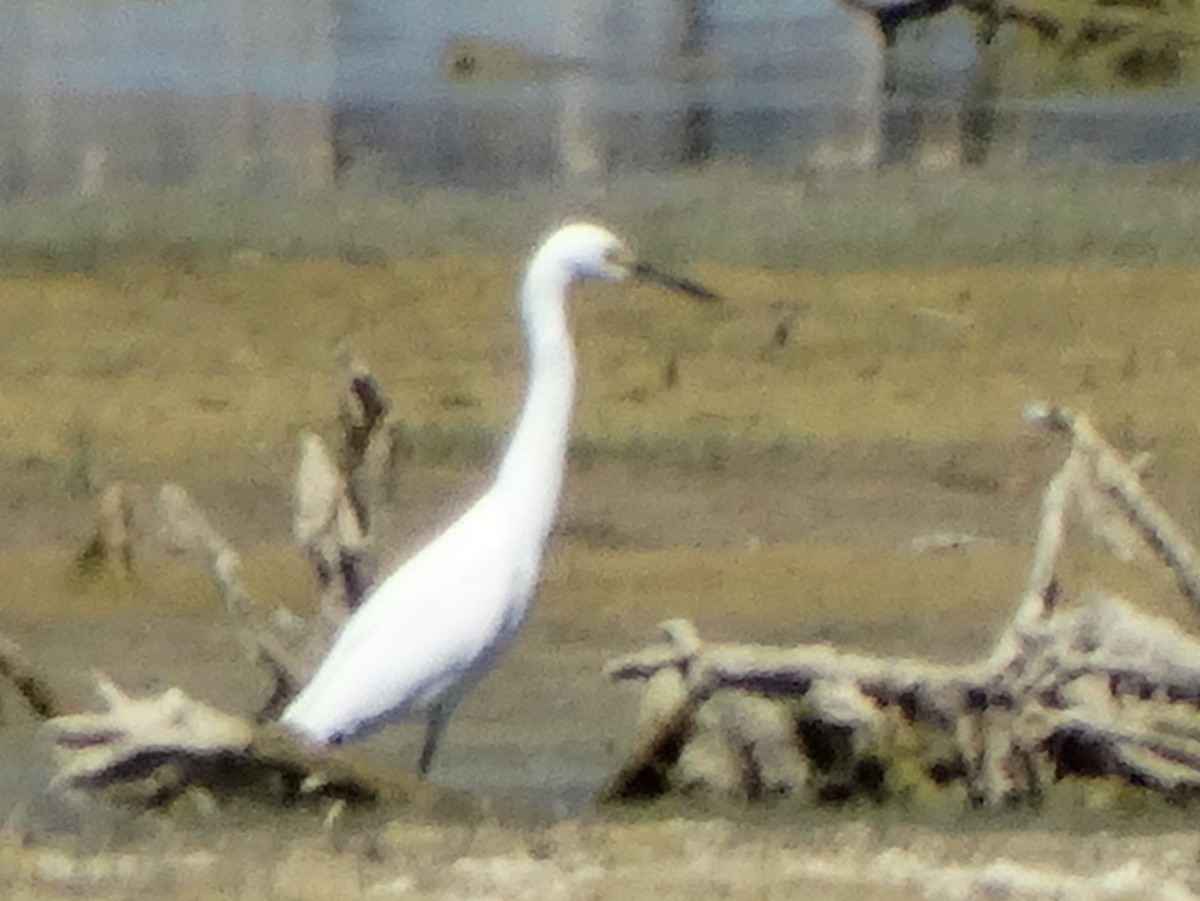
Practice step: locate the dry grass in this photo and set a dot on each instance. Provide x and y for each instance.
(154, 363)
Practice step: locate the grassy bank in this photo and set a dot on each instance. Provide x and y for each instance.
(782, 219)
(171, 360)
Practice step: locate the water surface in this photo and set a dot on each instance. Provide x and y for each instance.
(275, 95)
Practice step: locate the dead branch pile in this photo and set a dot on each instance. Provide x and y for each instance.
(331, 520)
(153, 750)
(1099, 689)
(1096, 689)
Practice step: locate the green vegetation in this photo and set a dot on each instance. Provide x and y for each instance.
(928, 355)
(791, 219)
(1106, 45)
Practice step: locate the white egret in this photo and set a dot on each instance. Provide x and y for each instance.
(434, 627)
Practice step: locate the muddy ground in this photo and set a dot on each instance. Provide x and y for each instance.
(770, 486)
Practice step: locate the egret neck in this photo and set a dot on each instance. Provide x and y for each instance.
(530, 475)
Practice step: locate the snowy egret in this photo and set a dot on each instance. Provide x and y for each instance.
(434, 627)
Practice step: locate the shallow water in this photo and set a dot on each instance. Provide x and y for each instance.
(545, 730)
(276, 96)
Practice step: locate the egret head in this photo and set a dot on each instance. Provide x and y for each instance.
(589, 251)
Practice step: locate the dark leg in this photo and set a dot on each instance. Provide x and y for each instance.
(435, 725)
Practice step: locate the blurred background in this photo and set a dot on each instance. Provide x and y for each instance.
(282, 95)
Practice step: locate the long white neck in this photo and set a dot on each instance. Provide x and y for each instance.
(531, 472)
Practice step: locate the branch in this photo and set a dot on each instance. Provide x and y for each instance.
(334, 504)
(1121, 484)
(329, 522)
(153, 750)
(28, 681)
(325, 524)
(185, 528)
(120, 518)
(927, 693)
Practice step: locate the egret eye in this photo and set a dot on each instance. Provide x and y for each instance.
(618, 262)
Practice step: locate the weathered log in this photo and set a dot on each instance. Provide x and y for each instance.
(334, 504)
(326, 525)
(1097, 689)
(996, 720)
(846, 683)
(154, 750)
(892, 15)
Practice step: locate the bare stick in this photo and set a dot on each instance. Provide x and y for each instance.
(362, 411)
(186, 528)
(29, 683)
(325, 525)
(334, 504)
(1121, 483)
(120, 516)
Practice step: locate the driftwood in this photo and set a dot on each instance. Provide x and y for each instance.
(332, 505)
(157, 750)
(1095, 688)
(331, 517)
(185, 528)
(1099, 689)
(120, 512)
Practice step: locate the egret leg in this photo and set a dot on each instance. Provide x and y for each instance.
(435, 725)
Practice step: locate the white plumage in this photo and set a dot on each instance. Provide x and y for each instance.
(433, 628)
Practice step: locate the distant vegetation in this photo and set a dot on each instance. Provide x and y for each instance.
(1105, 44)
(789, 218)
